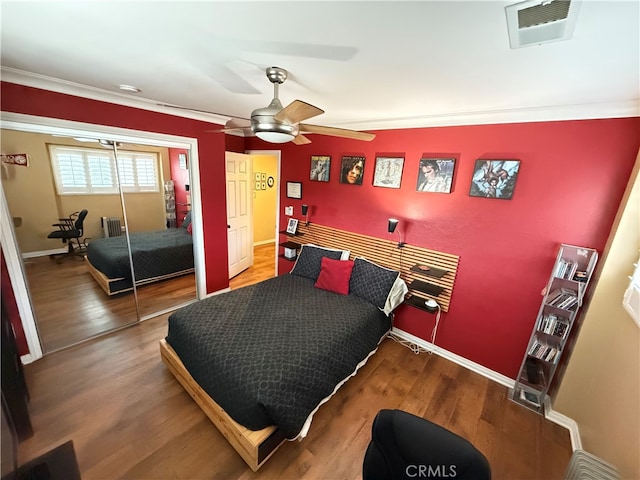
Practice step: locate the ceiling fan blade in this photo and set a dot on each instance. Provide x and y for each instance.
(301, 140)
(237, 123)
(199, 111)
(336, 132)
(297, 111)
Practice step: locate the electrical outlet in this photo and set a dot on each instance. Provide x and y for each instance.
(288, 210)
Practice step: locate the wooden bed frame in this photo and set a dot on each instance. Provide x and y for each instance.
(255, 447)
(110, 285)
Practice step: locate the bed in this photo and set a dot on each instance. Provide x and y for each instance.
(261, 360)
(156, 255)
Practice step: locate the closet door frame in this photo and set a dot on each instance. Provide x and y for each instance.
(47, 125)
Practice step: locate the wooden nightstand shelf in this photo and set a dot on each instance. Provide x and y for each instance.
(428, 271)
(289, 245)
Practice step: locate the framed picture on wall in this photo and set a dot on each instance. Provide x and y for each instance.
(292, 226)
(182, 160)
(435, 175)
(320, 165)
(388, 172)
(352, 170)
(294, 190)
(494, 178)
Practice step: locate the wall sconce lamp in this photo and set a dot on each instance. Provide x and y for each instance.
(305, 212)
(392, 223)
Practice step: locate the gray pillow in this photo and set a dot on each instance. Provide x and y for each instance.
(309, 261)
(372, 282)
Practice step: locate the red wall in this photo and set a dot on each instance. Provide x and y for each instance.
(571, 180)
(33, 101)
(572, 177)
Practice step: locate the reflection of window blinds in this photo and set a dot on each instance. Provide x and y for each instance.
(631, 300)
(146, 170)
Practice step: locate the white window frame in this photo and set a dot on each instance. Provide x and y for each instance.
(138, 185)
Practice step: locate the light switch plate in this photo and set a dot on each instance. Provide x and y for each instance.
(288, 210)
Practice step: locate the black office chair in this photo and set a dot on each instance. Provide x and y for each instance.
(405, 446)
(70, 231)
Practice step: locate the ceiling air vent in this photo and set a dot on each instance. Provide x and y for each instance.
(534, 22)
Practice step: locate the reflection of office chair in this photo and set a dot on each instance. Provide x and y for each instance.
(70, 231)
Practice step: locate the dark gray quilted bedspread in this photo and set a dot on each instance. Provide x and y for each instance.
(155, 253)
(269, 353)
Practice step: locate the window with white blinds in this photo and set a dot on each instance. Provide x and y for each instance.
(87, 171)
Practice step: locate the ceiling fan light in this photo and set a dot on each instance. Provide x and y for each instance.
(275, 137)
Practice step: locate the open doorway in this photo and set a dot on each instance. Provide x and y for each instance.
(266, 200)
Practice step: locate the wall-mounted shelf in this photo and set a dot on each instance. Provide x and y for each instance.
(426, 287)
(297, 234)
(292, 245)
(428, 270)
(417, 302)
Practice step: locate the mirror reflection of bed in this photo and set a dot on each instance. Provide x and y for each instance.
(69, 305)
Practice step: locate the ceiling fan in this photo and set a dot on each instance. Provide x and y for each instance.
(276, 124)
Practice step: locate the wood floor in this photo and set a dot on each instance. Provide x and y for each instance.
(130, 419)
(70, 306)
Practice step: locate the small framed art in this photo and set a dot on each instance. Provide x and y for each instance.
(320, 165)
(294, 190)
(352, 170)
(182, 160)
(435, 175)
(494, 178)
(292, 226)
(388, 172)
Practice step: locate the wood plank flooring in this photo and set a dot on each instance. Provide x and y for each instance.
(70, 306)
(130, 419)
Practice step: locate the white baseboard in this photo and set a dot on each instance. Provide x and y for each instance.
(566, 422)
(468, 364)
(264, 242)
(550, 414)
(26, 359)
(44, 253)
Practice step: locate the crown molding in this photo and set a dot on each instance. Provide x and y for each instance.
(619, 109)
(44, 82)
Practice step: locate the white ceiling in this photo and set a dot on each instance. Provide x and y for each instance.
(369, 65)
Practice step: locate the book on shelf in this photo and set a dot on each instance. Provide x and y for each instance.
(543, 351)
(551, 324)
(563, 298)
(566, 269)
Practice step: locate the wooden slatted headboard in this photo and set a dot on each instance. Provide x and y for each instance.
(387, 254)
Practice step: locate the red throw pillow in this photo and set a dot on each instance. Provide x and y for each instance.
(335, 275)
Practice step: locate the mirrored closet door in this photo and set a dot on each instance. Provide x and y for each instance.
(72, 299)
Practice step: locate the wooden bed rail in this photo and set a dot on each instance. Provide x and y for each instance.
(387, 254)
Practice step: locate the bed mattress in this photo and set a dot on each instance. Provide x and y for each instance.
(155, 253)
(270, 353)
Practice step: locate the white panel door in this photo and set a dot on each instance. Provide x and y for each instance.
(239, 212)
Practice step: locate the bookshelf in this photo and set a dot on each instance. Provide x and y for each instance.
(561, 303)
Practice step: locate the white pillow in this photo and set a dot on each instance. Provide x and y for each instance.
(396, 295)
